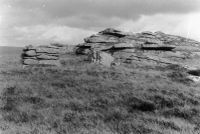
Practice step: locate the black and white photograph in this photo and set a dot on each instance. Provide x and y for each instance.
(99, 66)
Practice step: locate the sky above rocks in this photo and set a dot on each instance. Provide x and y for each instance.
(38, 22)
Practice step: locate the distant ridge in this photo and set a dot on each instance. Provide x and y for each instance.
(10, 50)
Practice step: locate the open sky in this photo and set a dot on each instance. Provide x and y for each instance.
(37, 22)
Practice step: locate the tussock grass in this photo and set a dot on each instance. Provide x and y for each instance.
(86, 98)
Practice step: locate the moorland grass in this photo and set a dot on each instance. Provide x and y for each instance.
(86, 98)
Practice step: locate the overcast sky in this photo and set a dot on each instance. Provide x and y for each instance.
(38, 22)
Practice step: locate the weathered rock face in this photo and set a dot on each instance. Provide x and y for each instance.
(142, 48)
(44, 55)
(158, 48)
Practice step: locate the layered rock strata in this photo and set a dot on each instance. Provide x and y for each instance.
(146, 47)
(113, 47)
(44, 55)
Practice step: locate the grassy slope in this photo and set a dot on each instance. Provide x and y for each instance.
(84, 98)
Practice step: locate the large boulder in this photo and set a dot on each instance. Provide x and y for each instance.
(99, 38)
(30, 62)
(47, 57)
(113, 32)
(30, 53)
(47, 50)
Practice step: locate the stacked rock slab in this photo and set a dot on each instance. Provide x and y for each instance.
(43, 55)
(150, 48)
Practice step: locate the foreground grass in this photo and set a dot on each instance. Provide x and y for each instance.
(83, 98)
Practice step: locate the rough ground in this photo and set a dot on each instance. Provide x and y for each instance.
(83, 98)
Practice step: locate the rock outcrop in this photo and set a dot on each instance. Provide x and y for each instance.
(112, 47)
(146, 47)
(44, 55)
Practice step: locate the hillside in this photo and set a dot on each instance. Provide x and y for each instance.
(80, 97)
